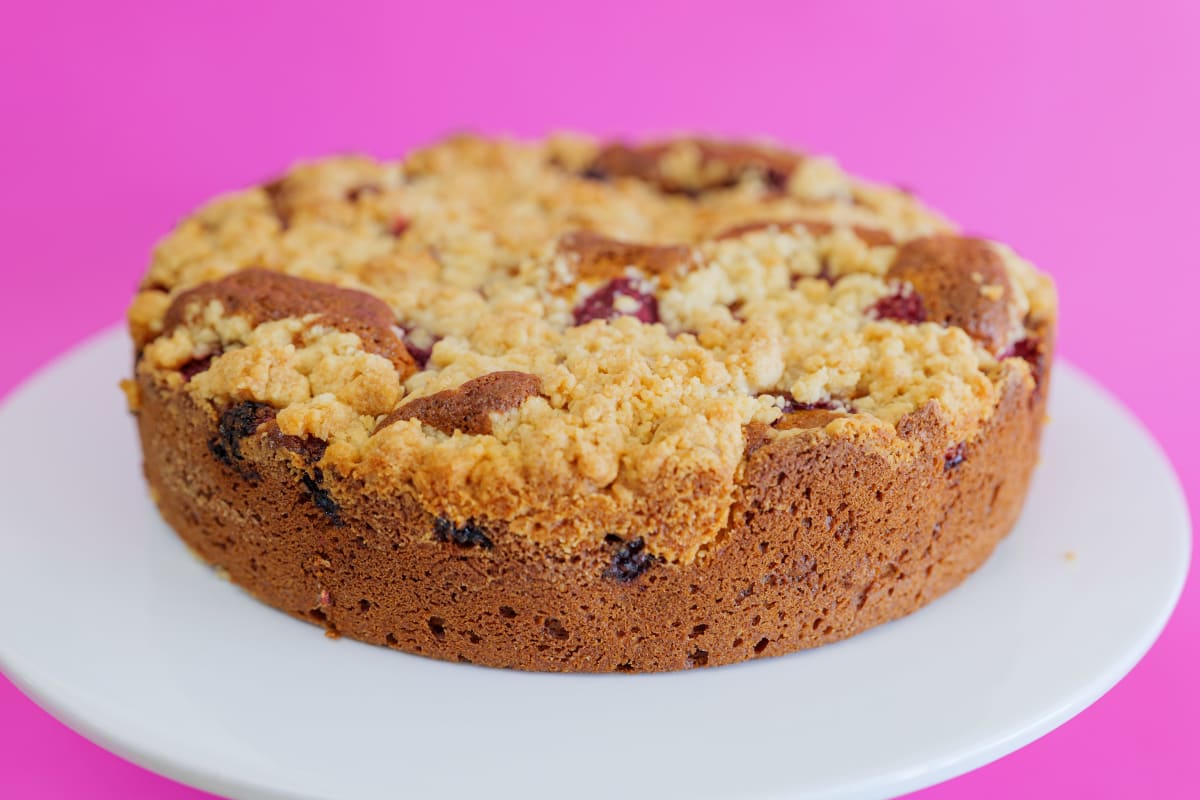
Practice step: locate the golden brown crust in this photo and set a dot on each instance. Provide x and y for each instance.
(807, 418)
(872, 237)
(710, 164)
(469, 408)
(262, 296)
(598, 257)
(962, 282)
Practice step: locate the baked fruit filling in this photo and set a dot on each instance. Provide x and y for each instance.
(578, 347)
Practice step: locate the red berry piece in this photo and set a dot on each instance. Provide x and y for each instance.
(1026, 348)
(1030, 350)
(419, 354)
(194, 366)
(790, 406)
(956, 455)
(310, 447)
(826, 274)
(623, 297)
(901, 307)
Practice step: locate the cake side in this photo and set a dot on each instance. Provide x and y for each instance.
(827, 538)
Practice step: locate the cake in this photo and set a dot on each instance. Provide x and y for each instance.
(588, 407)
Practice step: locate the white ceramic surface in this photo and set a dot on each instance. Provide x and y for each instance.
(111, 625)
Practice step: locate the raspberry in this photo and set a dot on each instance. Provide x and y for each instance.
(790, 406)
(901, 307)
(1028, 349)
(605, 303)
(419, 354)
(194, 366)
(956, 455)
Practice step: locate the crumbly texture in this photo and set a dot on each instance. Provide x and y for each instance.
(589, 376)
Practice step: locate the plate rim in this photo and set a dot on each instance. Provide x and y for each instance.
(153, 756)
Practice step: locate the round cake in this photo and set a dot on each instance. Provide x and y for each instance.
(590, 407)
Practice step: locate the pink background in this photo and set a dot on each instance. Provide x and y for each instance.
(1071, 132)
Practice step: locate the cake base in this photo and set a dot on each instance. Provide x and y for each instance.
(826, 539)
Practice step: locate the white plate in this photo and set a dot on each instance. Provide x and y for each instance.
(113, 627)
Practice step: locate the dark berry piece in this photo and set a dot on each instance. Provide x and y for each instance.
(219, 452)
(594, 173)
(310, 447)
(321, 497)
(400, 225)
(469, 535)
(603, 304)
(901, 307)
(194, 366)
(236, 423)
(239, 421)
(789, 405)
(956, 455)
(630, 561)
(825, 274)
(419, 354)
(1028, 349)
(776, 179)
(808, 415)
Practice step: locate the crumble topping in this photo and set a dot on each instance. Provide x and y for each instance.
(657, 299)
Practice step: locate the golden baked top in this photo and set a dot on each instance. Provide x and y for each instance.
(571, 338)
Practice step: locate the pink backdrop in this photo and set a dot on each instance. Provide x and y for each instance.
(1070, 132)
